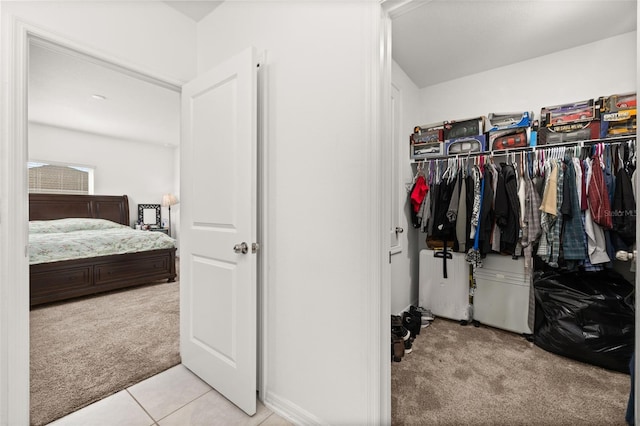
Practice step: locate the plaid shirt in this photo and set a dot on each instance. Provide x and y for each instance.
(531, 228)
(557, 227)
(573, 235)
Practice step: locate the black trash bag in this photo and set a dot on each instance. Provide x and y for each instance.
(587, 316)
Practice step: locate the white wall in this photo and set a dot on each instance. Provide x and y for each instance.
(589, 71)
(319, 226)
(147, 36)
(404, 265)
(142, 171)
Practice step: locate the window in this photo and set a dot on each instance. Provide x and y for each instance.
(60, 179)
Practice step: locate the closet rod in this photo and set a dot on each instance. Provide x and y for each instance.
(612, 141)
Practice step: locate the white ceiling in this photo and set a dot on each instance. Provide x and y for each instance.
(433, 41)
(441, 40)
(195, 10)
(61, 86)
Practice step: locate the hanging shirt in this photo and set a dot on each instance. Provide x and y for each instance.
(547, 220)
(531, 228)
(495, 237)
(573, 233)
(418, 193)
(461, 217)
(596, 242)
(598, 196)
(549, 199)
(557, 227)
(624, 208)
(475, 212)
(508, 209)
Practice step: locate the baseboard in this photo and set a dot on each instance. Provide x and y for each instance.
(415, 303)
(290, 411)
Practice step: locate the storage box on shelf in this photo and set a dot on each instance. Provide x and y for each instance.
(427, 141)
(571, 122)
(466, 144)
(465, 136)
(509, 130)
(618, 115)
(581, 121)
(455, 129)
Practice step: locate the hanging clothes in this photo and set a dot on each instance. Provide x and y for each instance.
(547, 218)
(557, 228)
(508, 209)
(598, 195)
(531, 229)
(624, 210)
(495, 233)
(461, 218)
(487, 213)
(573, 232)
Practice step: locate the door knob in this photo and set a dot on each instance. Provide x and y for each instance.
(241, 248)
(399, 230)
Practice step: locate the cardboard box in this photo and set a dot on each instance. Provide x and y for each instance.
(509, 139)
(576, 112)
(574, 132)
(464, 128)
(618, 102)
(467, 144)
(620, 123)
(427, 141)
(509, 120)
(427, 150)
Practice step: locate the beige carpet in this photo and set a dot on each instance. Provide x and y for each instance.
(484, 376)
(87, 349)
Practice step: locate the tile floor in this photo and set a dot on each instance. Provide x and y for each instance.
(175, 397)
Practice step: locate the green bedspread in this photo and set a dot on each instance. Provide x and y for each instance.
(66, 239)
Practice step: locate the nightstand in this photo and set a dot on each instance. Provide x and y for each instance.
(163, 230)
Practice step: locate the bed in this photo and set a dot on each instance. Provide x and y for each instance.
(64, 278)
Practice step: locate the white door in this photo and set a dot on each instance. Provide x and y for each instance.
(218, 226)
(395, 226)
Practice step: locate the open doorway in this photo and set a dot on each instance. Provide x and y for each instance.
(496, 88)
(125, 127)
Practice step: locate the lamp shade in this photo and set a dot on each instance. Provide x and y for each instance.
(169, 200)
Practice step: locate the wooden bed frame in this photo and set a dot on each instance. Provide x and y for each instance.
(55, 281)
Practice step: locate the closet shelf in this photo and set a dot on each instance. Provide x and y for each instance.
(589, 142)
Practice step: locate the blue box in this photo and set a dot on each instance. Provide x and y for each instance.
(466, 145)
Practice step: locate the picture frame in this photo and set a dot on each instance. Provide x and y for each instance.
(149, 215)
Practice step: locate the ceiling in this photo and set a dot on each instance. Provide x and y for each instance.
(195, 10)
(433, 41)
(61, 89)
(441, 40)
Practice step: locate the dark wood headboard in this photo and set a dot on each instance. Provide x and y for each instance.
(60, 206)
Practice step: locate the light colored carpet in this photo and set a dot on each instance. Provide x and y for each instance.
(86, 349)
(463, 375)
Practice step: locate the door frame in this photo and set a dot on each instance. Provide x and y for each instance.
(14, 267)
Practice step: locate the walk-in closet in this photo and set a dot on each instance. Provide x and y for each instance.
(513, 252)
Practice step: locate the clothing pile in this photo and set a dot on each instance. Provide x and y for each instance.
(572, 207)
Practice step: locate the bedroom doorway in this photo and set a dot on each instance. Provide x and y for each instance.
(84, 112)
(31, 36)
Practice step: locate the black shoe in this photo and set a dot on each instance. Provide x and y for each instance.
(398, 329)
(397, 348)
(412, 323)
(407, 346)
